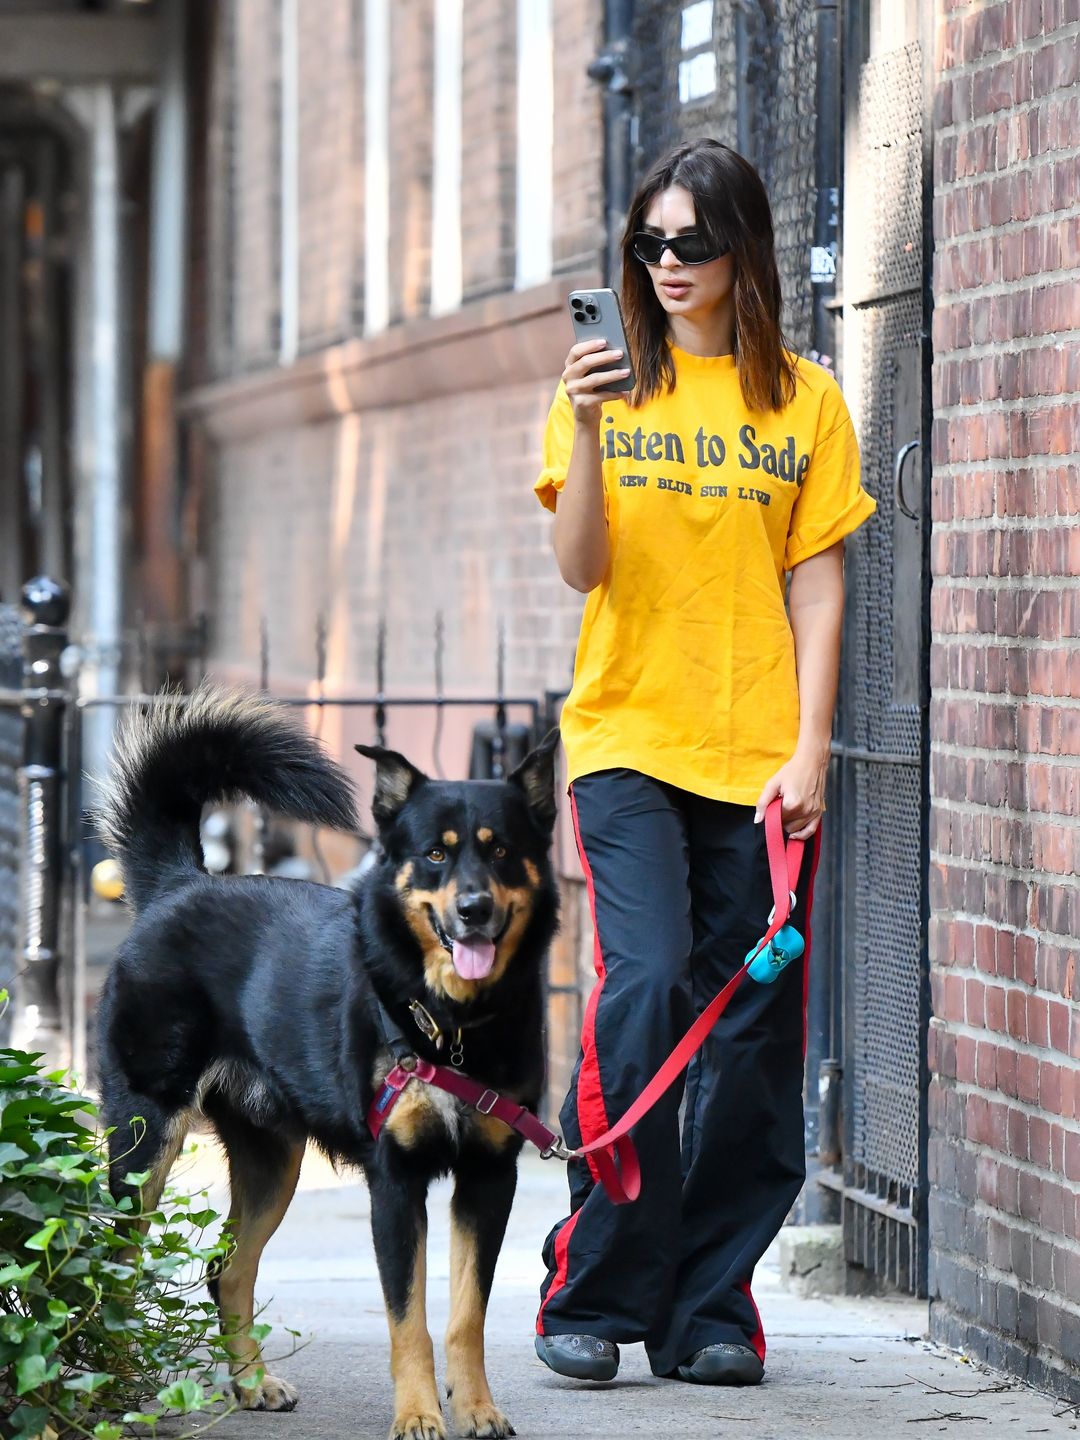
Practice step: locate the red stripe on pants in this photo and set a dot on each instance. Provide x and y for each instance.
(591, 1110)
(758, 1337)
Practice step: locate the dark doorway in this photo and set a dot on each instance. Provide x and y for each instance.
(36, 209)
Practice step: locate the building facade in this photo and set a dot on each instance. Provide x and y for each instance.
(385, 207)
(1005, 677)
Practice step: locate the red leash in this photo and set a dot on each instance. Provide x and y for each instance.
(621, 1181)
(624, 1184)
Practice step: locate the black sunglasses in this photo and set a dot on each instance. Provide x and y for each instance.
(692, 249)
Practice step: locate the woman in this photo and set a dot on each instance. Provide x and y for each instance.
(696, 701)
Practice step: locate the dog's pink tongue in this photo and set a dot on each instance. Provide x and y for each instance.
(473, 959)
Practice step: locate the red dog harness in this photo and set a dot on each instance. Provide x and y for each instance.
(621, 1181)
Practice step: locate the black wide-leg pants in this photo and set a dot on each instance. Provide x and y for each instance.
(680, 891)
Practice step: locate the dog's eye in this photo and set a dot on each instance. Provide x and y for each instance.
(436, 854)
(499, 852)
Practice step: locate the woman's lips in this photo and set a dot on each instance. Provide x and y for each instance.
(674, 288)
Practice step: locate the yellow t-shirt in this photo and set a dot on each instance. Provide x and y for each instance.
(685, 664)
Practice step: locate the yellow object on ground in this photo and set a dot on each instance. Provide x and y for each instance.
(106, 880)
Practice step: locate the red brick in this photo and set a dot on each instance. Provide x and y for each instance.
(1027, 1078)
(1072, 1155)
(965, 1059)
(1058, 1018)
(1038, 1134)
(1050, 1087)
(1007, 1068)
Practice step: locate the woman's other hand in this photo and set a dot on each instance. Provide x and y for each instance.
(801, 787)
(587, 367)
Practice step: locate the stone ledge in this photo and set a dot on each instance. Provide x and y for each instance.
(812, 1260)
(507, 339)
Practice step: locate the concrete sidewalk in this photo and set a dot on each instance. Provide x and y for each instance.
(845, 1369)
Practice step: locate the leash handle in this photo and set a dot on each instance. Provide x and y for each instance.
(623, 1184)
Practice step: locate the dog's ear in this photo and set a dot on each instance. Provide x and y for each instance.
(395, 780)
(536, 777)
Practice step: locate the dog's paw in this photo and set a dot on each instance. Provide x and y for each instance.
(482, 1422)
(419, 1425)
(268, 1393)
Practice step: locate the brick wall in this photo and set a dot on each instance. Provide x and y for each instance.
(1005, 676)
(412, 79)
(428, 504)
(255, 181)
(401, 513)
(489, 141)
(577, 176)
(330, 173)
(419, 503)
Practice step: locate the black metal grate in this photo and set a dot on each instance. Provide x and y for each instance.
(883, 253)
(762, 104)
(886, 972)
(10, 760)
(879, 722)
(884, 1179)
(780, 122)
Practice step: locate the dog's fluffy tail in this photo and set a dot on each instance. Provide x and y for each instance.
(174, 758)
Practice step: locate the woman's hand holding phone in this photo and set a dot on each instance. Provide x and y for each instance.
(589, 366)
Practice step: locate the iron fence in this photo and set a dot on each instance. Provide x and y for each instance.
(47, 951)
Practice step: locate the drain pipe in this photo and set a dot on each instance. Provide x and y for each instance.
(102, 511)
(162, 590)
(610, 69)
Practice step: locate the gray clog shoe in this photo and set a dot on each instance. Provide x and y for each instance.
(579, 1357)
(722, 1365)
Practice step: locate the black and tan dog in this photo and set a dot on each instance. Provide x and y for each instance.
(263, 1006)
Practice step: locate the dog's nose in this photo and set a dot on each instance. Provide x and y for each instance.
(476, 908)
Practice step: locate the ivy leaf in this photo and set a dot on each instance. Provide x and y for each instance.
(30, 1420)
(32, 1371)
(88, 1382)
(104, 1431)
(183, 1395)
(42, 1239)
(16, 1274)
(14, 1202)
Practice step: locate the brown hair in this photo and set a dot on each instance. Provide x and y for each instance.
(732, 209)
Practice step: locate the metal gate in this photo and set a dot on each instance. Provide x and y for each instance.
(56, 945)
(880, 780)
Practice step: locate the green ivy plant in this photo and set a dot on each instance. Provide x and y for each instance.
(103, 1330)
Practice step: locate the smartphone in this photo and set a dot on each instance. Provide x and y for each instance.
(595, 313)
